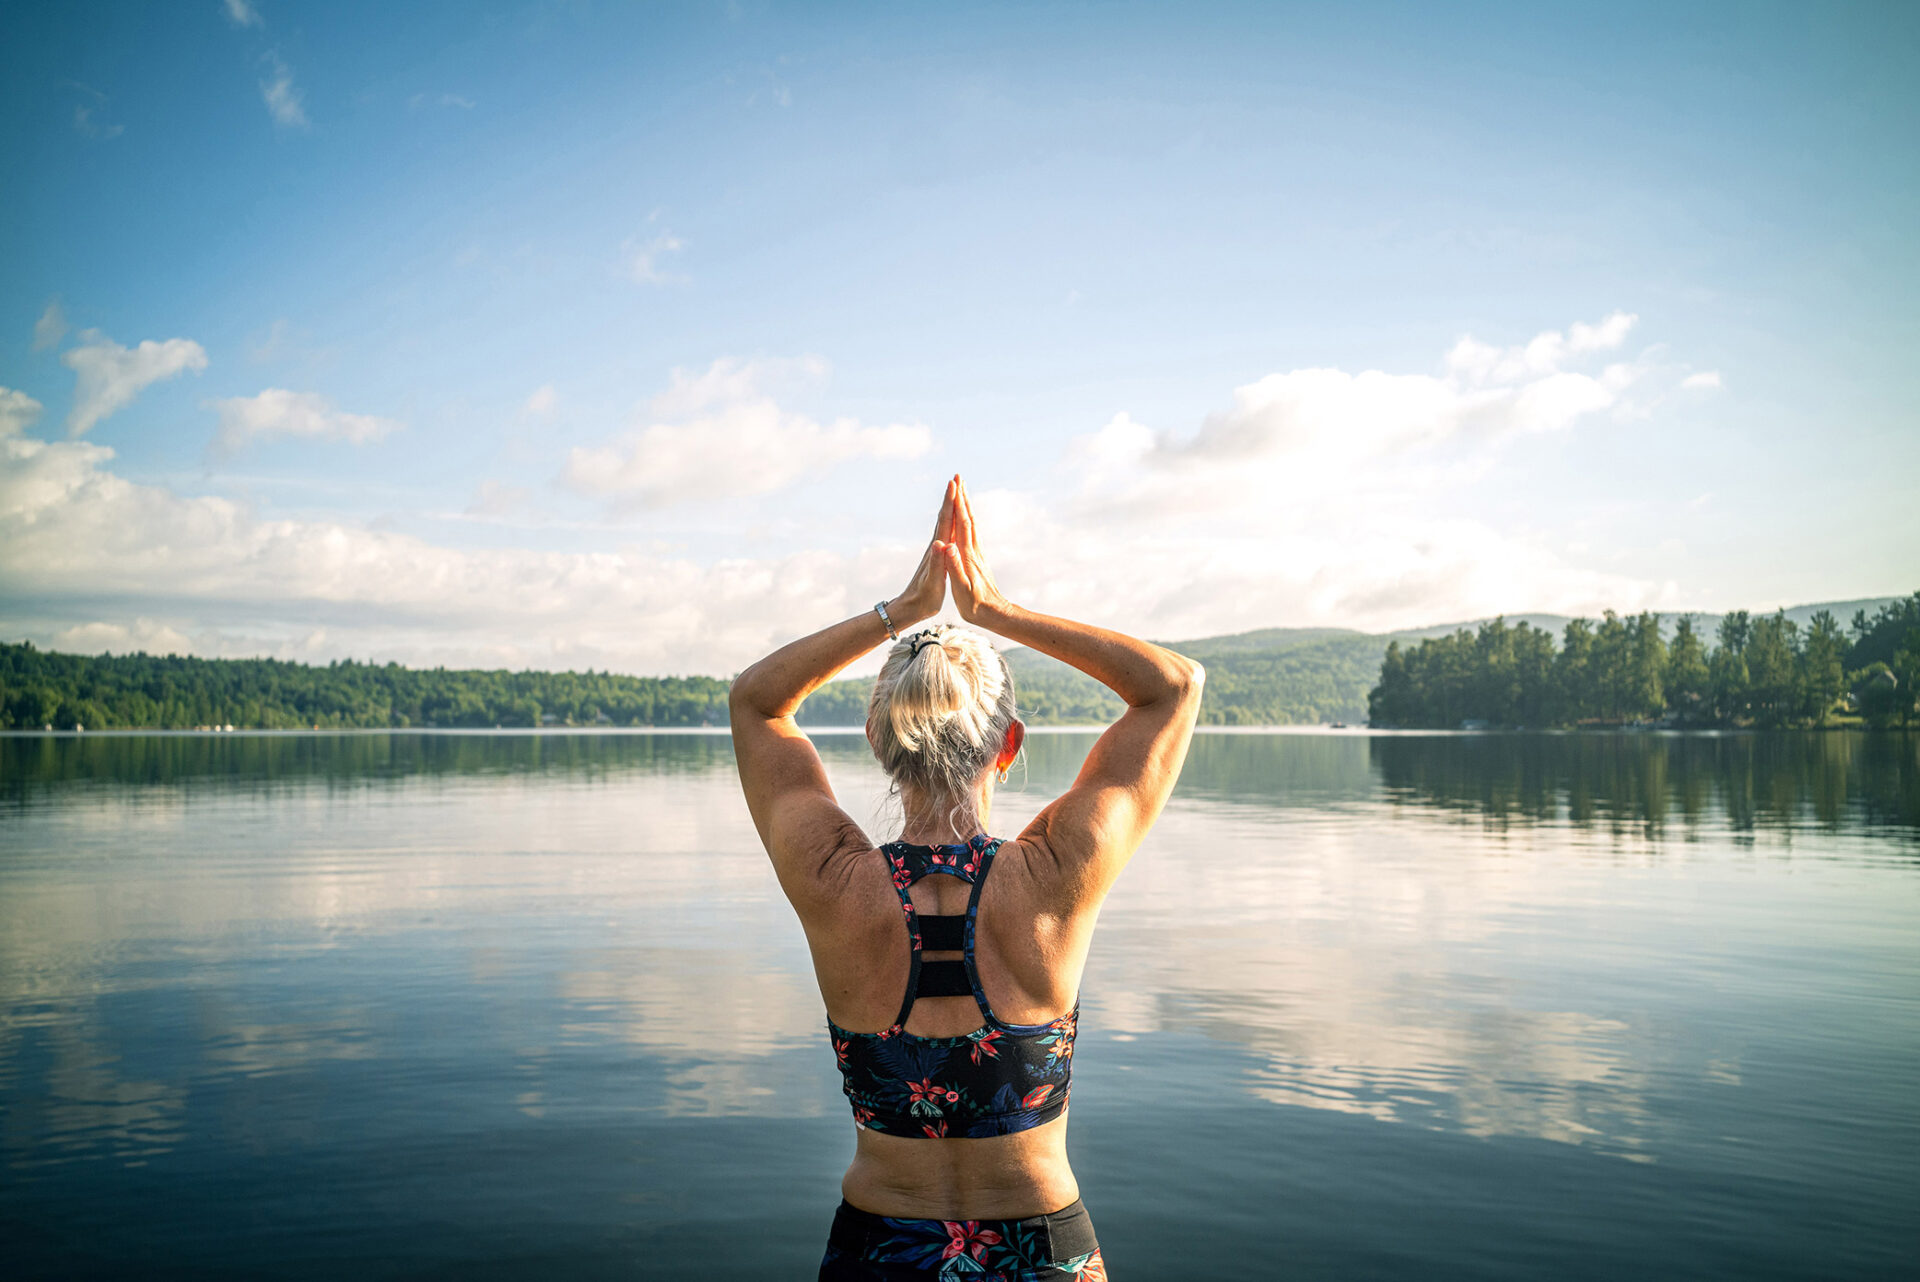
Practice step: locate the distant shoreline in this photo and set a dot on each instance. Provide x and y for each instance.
(615, 732)
(1261, 680)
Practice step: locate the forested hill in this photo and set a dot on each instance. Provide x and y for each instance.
(1274, 676)
(1765, 670)
(1801, 616)
(39, 688)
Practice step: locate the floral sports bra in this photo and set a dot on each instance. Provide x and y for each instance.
(996, 1080)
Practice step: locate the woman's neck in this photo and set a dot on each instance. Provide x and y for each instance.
(941, 822)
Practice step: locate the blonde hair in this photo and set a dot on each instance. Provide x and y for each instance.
(940, 711)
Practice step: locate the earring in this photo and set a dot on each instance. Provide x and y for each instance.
(1003, 773)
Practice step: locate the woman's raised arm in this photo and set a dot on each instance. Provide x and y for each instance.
(800, 822)
(1095, 826)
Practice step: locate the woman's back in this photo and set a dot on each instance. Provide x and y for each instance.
(999, 1076)
(950, 963)
(1031, 943)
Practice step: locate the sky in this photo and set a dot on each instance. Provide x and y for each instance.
(644, 337)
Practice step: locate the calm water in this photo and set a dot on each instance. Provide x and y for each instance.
(1364, 1007)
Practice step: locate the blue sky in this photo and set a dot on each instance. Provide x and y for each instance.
(643, 336)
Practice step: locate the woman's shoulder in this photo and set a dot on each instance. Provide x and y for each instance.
(1032, 875)
(828, 876)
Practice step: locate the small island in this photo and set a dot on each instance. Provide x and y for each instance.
(1763, 672)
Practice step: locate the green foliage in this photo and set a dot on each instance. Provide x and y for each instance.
(1688, 682)
(1497, 674)
(1906, 670)
(838, 703)
(38, 688)
(1255, 679)
(1883, 663)
(1771, 653)
(1879, 638)
(1764, 671)
(1278, 676)
(1876, 693)
(1275, 677)
(1823, 676)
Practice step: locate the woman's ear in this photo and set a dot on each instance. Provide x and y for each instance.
(1010, 746)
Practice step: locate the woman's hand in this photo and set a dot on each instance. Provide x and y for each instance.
(926, 592)
(975, 595)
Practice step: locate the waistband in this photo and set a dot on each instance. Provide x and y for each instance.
(1036, 1240)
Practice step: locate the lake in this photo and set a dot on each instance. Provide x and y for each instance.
(1365, 1006)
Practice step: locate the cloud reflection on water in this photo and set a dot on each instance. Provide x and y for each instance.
(715, 1016)
(1312, 902)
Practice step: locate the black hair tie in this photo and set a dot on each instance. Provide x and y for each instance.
(920, 641)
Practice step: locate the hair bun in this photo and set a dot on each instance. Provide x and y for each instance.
(939, 723)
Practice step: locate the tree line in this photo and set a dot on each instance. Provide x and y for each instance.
(1762, 670)
(40, 688)
(140, 691)
(1282, 683)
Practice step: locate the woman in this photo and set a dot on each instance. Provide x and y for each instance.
(960, 1090)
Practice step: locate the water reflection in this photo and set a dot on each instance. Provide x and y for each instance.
(1618, 781)
(1649, 782)
(1360, 982)
(1308, 898)
(31, 764)
(170, 933)
(325, 954)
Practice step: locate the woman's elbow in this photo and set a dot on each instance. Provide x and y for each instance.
(742, 694)
(1186, 678)
(1196, 679)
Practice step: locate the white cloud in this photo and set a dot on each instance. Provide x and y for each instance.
(1605, 336)
(87, 124)
(51, 327)
(727, 437)
(282, 96)
(1326, 423)
(542, 402)
(241, 13)
(278, 412)
(1705, 380)
(1345, 559)
(89, 115)
(18, 411)
(1314, 497)
(107, 376)
(730, 381)
(1476, 362)
(119, 638)
(72, 533)
(1320, 496)
(642, 257)
(495, 499)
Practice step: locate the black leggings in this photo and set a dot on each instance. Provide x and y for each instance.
(864, 1247)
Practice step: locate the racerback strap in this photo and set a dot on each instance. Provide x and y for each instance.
(939, 933)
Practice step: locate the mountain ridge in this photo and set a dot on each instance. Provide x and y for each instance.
(1281, 676)
(1704, 621)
